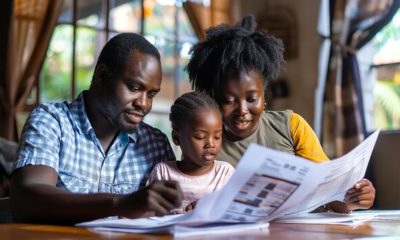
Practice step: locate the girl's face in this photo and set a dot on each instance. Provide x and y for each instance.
(200, 139)
(241, 98)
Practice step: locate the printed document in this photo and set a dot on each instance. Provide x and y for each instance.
(268, 184)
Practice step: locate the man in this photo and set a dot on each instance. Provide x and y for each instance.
(91, 158)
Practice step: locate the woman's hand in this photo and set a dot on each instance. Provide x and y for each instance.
(360, 196)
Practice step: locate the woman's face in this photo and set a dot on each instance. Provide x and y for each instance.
(241, 98)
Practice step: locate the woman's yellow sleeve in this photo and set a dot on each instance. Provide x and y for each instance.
(305, 141)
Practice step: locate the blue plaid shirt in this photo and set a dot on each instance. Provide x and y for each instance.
(59, 135)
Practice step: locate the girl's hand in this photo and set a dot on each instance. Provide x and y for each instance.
(190, 206)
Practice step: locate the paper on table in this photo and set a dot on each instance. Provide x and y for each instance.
(327, 218)
(380, 215)
(268, 184)
(356, 217)
(202, 230)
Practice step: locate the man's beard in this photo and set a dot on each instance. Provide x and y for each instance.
(121, 124)
(116, 117)
(118, 123)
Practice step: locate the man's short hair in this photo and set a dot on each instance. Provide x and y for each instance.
(115, 54)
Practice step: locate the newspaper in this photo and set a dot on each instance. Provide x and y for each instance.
(268, 184)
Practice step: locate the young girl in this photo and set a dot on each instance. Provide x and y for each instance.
(197, 129)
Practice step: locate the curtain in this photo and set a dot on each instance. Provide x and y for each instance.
(27, 37)
(343, 124)
(202, 16)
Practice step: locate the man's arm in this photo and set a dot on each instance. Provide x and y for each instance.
(35, 198)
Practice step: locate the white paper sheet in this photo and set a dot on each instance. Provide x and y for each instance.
(266, 184)
(328, 218)
(355, 218)
(206, 230)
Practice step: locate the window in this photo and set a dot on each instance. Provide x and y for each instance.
(380, 69)
(83, 29)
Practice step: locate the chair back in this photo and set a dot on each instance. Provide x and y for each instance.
(386, 170)
(5, 210)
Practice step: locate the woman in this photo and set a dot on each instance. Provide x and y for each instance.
(233, 66)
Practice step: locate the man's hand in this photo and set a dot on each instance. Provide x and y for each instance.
(159, 197)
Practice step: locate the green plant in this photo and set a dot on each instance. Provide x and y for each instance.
(387, 105)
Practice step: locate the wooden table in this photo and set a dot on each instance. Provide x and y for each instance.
(374, 228)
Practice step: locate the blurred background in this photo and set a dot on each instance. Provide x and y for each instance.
(342, 70)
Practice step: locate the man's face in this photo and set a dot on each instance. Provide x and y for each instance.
(132, 91)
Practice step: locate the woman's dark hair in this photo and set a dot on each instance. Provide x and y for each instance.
(187, 106)
(117, 51)
(236, 48)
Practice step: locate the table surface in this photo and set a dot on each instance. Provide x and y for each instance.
(378, 227)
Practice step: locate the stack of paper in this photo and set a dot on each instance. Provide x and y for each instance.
(166, 225)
